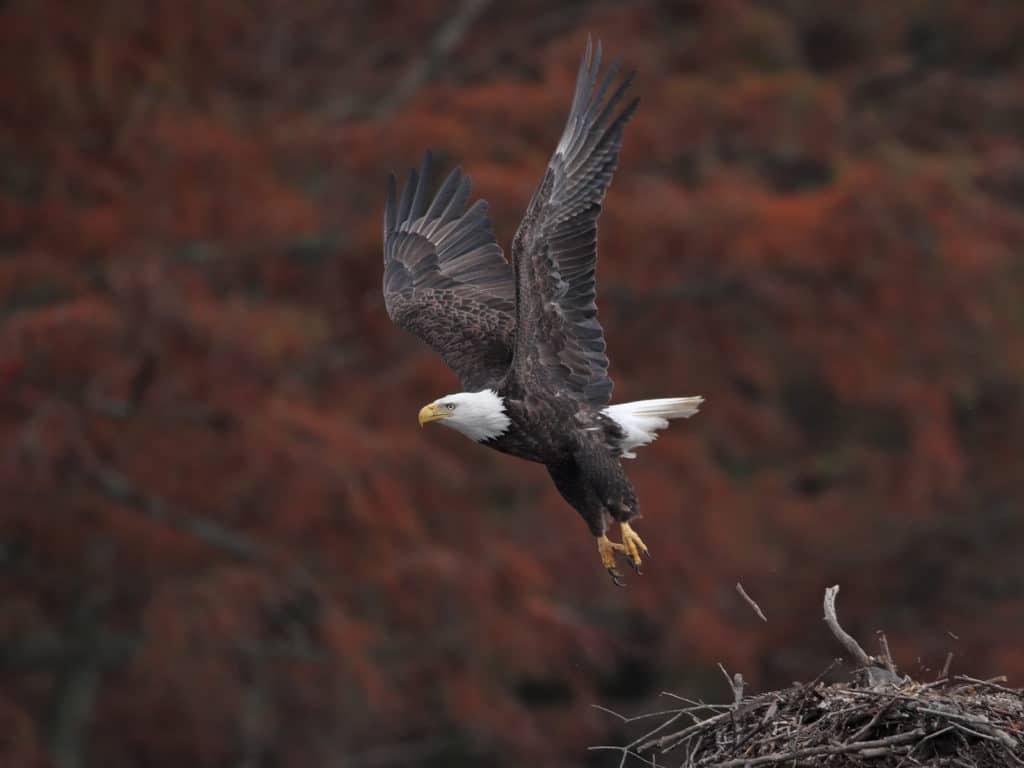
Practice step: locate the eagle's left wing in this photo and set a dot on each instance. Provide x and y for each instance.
(446, 278)
(555, 247)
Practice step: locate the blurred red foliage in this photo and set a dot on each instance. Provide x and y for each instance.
(224, 541)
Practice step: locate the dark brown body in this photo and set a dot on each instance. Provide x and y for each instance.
(583, 461)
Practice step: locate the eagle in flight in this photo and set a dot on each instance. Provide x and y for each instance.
(524, 338)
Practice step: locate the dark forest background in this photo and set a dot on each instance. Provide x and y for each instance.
(225, 542)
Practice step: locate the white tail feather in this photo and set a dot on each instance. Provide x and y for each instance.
(642, 419)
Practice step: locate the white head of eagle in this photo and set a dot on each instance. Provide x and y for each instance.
(478, 415)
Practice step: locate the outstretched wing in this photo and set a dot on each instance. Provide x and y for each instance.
(446, 278)
(555, 247)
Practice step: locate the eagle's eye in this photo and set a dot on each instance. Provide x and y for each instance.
(450, 406)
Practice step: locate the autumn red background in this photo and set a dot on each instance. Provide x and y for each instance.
(225, 542)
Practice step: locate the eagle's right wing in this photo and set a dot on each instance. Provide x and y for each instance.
(446, 279)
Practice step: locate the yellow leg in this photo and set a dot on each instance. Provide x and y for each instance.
(633, 545)
(606, 549)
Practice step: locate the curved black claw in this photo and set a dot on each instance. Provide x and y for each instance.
(633, 546)
(617, 579)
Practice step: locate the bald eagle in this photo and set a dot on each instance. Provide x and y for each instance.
(524, 338)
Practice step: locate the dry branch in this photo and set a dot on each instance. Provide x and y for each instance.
(944, 674)
(750, 601)
(845, 639)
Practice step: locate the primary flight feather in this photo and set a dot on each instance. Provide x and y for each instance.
(524, 338)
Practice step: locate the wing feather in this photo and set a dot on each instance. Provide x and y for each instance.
(446, 278)
(555, 247)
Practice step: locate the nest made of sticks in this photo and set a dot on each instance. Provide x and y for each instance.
(882, 720)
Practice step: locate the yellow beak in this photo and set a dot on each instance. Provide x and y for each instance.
(432, 413)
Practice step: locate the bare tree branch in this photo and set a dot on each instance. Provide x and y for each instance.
(845, 639)
(750, 602)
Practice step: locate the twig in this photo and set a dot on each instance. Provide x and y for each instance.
(750, 601)
(846, 640)
(944, 674)
(975, 719)
(737, 688)
(874, 721)
(696, 704)
(994, 734)
(725, 674)
(912, 702)
(933, 735)
(818, 678)
(991, 684)
(612, 712)
(735, 683)
(1016, 759)
(880, 751)
(838, 749)
(978, 734)
(766, 718)
(625, 753)
(636, 742)
(696, 746)
(883, 643)
(648, 715)
(680, 735)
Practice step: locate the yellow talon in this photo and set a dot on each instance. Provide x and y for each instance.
(633, 545)
(606, 548)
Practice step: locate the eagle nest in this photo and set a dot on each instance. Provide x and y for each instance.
(881, 720)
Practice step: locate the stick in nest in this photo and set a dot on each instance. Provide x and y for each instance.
(736, 683)
(876, 746)
(883, 643)
(944, 674)
(993, 684)
(845, 639)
